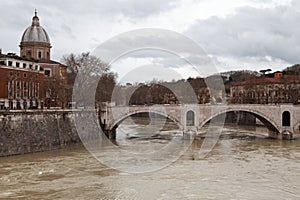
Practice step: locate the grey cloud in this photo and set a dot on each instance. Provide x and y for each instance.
(103, 8)
(253, 32)
(163, 46)
(61, 18)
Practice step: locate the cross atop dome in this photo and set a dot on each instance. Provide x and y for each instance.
(35, 19)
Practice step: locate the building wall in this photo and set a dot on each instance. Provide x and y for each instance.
(273, 91)
(55, 84)
(21, 86)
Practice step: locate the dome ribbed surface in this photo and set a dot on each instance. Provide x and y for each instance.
(35, 33)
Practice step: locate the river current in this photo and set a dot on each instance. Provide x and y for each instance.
(244, 164)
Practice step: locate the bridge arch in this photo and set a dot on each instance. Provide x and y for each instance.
(118, 121)
(269, 123)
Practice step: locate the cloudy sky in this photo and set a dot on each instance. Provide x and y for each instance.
(235, 34)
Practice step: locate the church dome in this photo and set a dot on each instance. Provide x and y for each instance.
(35, 33)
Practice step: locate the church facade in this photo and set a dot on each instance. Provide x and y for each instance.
(32, 80)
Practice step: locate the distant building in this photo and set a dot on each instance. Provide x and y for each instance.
(21, 83)
(267, 90)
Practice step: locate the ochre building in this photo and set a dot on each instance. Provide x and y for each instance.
(267, 90)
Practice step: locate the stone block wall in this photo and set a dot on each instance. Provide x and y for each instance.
(28, 132)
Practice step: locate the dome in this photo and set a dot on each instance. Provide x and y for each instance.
(35, 33)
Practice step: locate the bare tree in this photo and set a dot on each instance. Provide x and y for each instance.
(56, 91)
(87, 74)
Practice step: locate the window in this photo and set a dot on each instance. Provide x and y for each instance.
(17, 64)
(10, 63)
(18, 89)
(31, 90)
(10, 89)
(30, 66)
(25, 91)
(47, 72)
(24, 65)
(24, 75)
(40, 54)
(37, 90)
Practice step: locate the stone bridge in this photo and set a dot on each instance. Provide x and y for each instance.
(282, 121)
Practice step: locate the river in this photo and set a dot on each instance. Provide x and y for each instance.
(244, 164)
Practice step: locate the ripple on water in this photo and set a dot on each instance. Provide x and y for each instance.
(239, 167)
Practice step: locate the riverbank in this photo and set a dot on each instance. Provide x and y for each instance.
(24, 132)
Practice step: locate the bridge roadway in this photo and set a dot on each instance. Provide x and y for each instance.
(281, 120)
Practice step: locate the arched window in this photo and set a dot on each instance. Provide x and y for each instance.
(39, 54)
(286, 118)
(190, 118)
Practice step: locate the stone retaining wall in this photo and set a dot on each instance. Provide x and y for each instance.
(34, 131)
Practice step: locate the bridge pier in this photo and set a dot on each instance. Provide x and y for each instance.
(284, 135)
(287, 135)
(110, 134)
(189, 134)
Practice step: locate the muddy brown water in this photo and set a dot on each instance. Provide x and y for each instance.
(244, 164)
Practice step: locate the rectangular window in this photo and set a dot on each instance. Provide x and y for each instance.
(25, 90)
(10, 89)
(30, 66)
(24, 65)
(18, 89)
(30, 90)
(37, 90)
(10, 63)
(47, 72)
(17, 64)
